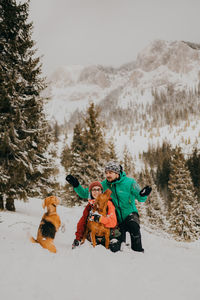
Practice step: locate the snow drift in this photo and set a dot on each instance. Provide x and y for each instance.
(167, 269)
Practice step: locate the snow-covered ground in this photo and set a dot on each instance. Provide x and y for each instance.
(167, 269)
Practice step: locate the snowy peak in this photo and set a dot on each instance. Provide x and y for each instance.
(160, 64)
(94, 75)
(66, 75)
(178, 56)
(75, 74)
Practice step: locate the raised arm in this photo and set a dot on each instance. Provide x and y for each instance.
(82, 192)
(140, 194)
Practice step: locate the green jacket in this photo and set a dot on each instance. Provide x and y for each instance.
(124, 192)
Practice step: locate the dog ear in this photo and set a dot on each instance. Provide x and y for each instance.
(57, 201)
(50, 200)
(44, 203)
(108, 192)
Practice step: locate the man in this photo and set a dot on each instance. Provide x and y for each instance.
(124, 192)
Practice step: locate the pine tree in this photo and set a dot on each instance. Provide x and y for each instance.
(1, 202)
(111, 153)
(142, 207)
(183, 214)
(193, 164)
(24, 132)
(155, 208)
(56, 132)
(95, 146)
(128, 164)
(75, 161)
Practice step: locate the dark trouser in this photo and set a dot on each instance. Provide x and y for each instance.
(132, 225)
(115, 239)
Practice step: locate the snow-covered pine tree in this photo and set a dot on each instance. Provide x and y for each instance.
(127, 163)
(193, 164)
(183, 213)
(142, 206)
(24, 132)
(72, 162)
(155, 208)
(95, 154)
(111, 153)
(56, 131)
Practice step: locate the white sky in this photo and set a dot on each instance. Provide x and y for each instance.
(108, 32)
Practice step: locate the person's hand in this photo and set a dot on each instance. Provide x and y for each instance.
(145, 191)
(72, 180)
(95, 217)
(75, 244)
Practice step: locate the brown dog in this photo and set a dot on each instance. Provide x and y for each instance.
(49, 225)
(98, 229)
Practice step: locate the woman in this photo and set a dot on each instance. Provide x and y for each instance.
(110, 221)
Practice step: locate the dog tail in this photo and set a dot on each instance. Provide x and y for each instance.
(33, 240)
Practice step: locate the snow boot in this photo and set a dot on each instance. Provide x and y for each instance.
(114, 245)
(136, 243)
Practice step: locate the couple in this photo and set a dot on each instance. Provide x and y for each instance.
(124, 192)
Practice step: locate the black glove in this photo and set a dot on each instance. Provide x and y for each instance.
(145, 191)
(75, 244)
(95, 217)
(72, 180)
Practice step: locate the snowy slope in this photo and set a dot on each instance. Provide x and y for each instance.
(167, 269)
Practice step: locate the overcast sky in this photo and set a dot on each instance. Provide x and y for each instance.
(108, 32)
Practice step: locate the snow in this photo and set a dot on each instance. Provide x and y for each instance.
(167, 270)
(131, 96)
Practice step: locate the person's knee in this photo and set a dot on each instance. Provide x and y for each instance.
(133, 217)
(134, 228)
(133, 224)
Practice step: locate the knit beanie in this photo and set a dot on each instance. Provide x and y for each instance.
(95, 183)
(113, 166)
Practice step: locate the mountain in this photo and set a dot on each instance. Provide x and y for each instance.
(73, 87)
(177, 57)
(161, 88)
(161, 63)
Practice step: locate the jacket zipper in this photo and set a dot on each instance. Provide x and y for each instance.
(118, 203)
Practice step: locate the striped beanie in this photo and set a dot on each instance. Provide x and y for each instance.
(113, 166)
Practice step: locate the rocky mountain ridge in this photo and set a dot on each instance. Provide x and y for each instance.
(160, 64)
